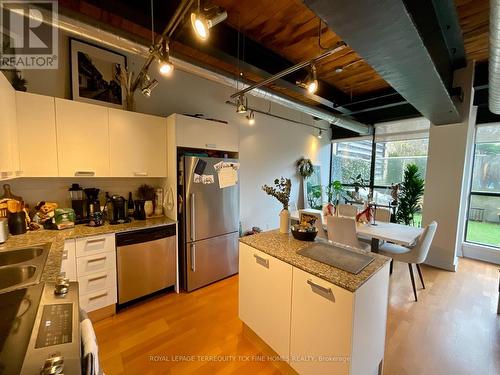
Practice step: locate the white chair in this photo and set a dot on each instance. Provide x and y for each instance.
(383, 214)
(342, 230)
(318, 223)
(347, 210)
(414, 255)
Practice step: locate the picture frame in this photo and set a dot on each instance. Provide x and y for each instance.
(93, 74)
(313, 190)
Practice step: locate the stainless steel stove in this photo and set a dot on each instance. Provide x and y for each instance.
(40, 330)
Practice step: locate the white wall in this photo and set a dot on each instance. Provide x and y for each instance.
(268, 149)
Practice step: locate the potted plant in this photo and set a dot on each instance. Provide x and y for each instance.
(334, 192)
(358, 182)
(147, 193)
(281, 191)
(411, 191)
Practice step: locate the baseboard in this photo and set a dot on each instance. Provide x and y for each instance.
(440, 262)
(480, 252)
(102, 313)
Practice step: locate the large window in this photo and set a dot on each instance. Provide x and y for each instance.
(483, 222)
(351, 158)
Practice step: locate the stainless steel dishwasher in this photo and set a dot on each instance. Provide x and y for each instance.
(146, 262)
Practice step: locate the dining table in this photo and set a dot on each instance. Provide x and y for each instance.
(400, 234)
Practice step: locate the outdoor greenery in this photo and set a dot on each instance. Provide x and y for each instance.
(483, 232)
(350, 168)
(410, 196)
(334, 189)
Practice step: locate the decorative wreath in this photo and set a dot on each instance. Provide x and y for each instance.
(305, 167)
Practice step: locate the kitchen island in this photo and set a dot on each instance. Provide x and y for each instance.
(319, 319)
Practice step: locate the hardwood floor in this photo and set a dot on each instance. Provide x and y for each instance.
(453, 329)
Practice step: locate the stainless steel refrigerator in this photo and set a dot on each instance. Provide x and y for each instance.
(210, 223)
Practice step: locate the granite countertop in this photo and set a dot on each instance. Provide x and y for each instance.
(284, 247)
(57, 237)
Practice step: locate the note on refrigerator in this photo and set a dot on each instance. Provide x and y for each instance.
(228, 176)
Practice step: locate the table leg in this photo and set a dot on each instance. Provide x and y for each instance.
(375, 244)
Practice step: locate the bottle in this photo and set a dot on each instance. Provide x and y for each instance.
(130, 204)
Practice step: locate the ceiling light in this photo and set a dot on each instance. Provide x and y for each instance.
(203, 21)
(162, 54)
(251, 118)
(312, 81)
(320, 134)
(241, 104)
(148, 86)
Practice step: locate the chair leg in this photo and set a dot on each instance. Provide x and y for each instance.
(390, 267)
(420, 275)
(413, 281)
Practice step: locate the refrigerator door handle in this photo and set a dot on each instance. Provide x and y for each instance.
(193, 232)
(193, 257)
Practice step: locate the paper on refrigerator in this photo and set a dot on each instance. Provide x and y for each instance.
(228, 176)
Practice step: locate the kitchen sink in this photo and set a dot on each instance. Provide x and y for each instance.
(16, 276)
(22, 267)
(8, 258)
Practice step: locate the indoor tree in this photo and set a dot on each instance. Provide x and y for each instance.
(410, 195)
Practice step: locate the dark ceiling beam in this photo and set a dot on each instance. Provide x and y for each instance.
(385, 35)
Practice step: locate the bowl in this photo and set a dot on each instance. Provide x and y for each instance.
(303, 234)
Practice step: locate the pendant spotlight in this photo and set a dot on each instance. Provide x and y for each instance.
(241, 104)
(161, 52)
(148, 86)
(312, 81)
(203, 20)
(251, 118)
(320, 134)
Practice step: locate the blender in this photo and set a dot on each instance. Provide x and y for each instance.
(78, 203)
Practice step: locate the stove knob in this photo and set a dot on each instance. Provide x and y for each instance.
(62, 286)
(53, 366)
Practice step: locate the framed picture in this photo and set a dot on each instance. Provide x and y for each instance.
(95, 74)
(313, 191)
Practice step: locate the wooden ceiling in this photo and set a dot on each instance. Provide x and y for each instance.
(474, 20)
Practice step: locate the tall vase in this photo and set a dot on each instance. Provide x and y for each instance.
(285, 221)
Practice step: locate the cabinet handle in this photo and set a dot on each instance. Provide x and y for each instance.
(98, 296)
(320, 287)
(211, 145)
(96, 259)
(193, 257)
(262, 261)
(95, 240)
(139, 174)
(65, 255)
(193, 213)
(84, 173)
(97, 278)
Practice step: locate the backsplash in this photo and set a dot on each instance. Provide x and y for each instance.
(33, 190)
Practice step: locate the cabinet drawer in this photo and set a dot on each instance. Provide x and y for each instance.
(100, 281)
(95, 263)
(97, 300)
(68, 264)
(95, 245)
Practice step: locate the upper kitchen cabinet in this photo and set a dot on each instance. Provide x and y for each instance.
(9, 147)
(82, 139)
(204, 134)
(36, 126)
(137, 144)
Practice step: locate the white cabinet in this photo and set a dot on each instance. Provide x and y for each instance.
(9, 147)
(68, 264)
(321, 325)
(138, 144)
(265, 286)
(36, 122)
(82, 139)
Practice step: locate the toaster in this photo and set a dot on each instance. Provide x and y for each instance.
(4, 230)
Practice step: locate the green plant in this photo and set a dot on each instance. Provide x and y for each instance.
(358, 182)
(281, 191)
(410, 194)
(334, 190)
(314, 197)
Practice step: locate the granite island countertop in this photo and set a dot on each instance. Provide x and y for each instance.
(57, 237)
(284, 247)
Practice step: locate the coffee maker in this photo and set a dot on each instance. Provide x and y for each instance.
(78, 203)
(93, 203)
(118, 212)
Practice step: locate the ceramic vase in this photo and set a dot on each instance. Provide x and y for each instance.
(285, 221)
(148, 208)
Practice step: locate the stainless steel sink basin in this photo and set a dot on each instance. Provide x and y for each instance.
(16, 275)
(22, 267)
(8, 258)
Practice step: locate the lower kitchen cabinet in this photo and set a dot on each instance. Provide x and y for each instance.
(265, 287)
(68, 264)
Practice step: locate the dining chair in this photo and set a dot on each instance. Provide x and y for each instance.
(415, 255)
(347, 210)
(342, 230)
(318, 223)
(383, 214)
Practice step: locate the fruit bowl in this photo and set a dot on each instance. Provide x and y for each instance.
(304, 233)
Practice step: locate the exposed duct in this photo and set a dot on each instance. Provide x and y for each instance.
(494, 61)
(109, 39)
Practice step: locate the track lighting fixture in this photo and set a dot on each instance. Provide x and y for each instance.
(241, 104)
(162, 54)
(320, 134)
(312, 81)
(251, 118)
(148, 86)
(203, 20)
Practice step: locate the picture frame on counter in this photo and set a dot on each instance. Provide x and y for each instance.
(95, 74)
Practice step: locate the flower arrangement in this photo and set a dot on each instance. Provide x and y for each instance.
(281, 191)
